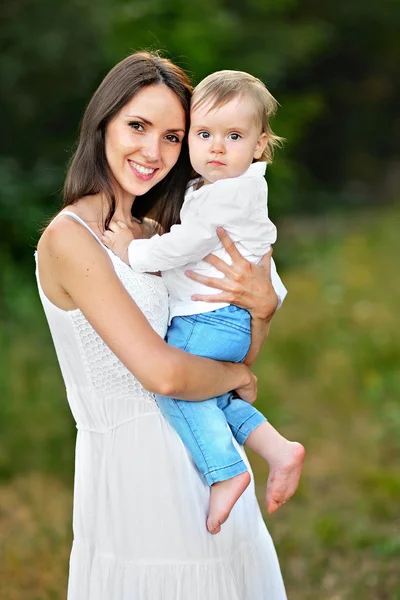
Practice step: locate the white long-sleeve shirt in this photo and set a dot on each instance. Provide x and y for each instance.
(239, 205)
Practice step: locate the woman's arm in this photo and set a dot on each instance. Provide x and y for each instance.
(259, 333)
(85, 274)
(244, 284)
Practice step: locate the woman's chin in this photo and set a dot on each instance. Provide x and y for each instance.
(138, 187)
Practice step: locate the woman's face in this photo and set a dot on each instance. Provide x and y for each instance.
(144, 139)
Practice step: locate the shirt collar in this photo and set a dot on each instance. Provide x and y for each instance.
(192, 186)
(256, 169)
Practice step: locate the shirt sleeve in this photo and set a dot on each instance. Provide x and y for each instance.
(188, 242)
(196, 236)
(278, 286)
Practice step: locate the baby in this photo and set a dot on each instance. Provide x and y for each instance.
(229, 139)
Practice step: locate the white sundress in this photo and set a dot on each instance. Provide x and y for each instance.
(140, 505)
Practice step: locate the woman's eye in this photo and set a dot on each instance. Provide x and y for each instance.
(136, 126)
(204, 135)
(234, 136)
(173, 138)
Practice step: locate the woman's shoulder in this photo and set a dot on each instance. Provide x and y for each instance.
(64, 224)
(65, 235)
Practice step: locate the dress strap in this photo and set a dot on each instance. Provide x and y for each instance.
(69, 213)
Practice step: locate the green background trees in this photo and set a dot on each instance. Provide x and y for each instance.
(332, 67)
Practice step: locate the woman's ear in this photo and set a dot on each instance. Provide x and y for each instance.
(261, 145)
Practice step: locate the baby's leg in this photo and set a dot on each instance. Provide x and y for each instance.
(285, 461)
(223, 334)
(203, 429)
(223, 497)
(285, 458)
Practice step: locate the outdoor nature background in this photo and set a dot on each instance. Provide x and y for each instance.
(329, 374)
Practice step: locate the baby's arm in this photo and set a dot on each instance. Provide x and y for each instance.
(185, 243)
(191, 240)
(188, 242)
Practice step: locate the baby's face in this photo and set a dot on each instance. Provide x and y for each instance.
(224, 141)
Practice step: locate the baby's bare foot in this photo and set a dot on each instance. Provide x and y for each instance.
(284, 474)
(223, 497)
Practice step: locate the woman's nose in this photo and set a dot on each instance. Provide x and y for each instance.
(151, 149)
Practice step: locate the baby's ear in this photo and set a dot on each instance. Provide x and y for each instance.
(261, 145)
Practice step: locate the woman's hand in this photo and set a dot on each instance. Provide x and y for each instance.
(244, 284)
(248, 392)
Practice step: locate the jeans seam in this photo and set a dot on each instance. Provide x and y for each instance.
(187, 318)
(231, 325)
(241, 425)
(194, 437)
(245, 354)
(224, 322)
(193, 324)
(225, 467)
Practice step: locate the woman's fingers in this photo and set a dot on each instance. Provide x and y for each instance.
(219, 264)
(228, 297)
(229, 246)
(244, 283)
(220, 283)
(266, 262)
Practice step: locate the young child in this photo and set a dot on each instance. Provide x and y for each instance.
(229, 134)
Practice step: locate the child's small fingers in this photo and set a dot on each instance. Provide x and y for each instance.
(114, 227)
(107, 238)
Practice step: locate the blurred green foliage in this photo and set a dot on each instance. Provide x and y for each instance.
(332, 66)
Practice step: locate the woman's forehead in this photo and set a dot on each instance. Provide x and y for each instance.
(156, 104)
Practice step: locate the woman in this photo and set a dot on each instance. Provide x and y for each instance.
(139, 503)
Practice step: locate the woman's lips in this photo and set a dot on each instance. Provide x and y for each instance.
(142, 172)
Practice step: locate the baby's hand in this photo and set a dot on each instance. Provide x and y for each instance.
(117, 238)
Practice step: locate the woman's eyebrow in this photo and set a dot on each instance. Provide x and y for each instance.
(140, 119)
(175, 130)
(150, 123)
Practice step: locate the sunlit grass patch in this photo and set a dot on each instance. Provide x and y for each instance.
(35, 521)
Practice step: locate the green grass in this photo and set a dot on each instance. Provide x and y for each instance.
(329, 377)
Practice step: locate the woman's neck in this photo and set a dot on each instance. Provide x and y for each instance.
(123, 207)
(94, 210)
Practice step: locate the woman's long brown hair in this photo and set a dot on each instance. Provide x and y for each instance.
(89, 172)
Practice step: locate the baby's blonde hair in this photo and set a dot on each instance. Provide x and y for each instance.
(223, 86)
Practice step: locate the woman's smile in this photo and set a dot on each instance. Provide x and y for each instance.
(140, 171)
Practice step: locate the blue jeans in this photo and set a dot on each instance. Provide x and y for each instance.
(223, 334)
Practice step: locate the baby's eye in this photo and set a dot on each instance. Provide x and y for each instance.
(204, 135)
(173, 138)
(234, 136)
(136, 126)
